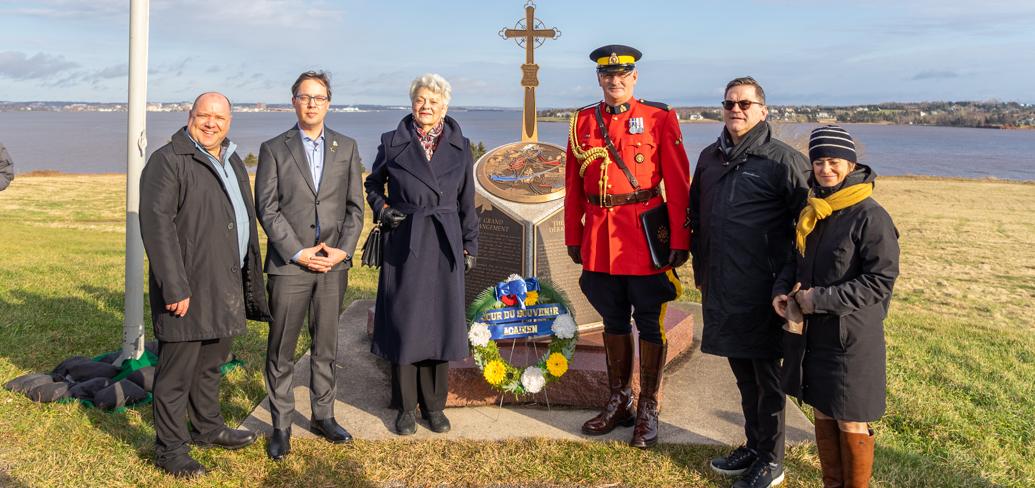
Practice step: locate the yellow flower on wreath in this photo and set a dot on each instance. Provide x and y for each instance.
(531, 298)
(557, 364)
(495, 372)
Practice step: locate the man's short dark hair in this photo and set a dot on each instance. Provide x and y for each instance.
(747, 80)
(320, 76)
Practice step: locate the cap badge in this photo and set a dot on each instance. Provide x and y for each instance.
(613, 59)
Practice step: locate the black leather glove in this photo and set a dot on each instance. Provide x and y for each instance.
(677, 257)
(575, 253)
(468, 263)
(391, 218)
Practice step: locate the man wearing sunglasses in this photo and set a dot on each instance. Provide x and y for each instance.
(747, 191)
(309, 199)
(619, 151)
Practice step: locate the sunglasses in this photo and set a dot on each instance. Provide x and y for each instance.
(743, 104)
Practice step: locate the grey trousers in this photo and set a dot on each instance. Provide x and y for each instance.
(292, 297)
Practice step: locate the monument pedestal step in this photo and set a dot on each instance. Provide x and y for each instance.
(585, 383)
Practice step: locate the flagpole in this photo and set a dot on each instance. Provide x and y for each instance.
(136, 148)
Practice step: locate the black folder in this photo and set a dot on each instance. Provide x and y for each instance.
(658, 233)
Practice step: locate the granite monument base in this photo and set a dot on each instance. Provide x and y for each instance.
(585, 383)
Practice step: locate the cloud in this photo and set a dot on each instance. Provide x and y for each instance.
(935, 75)
(19, 66)
(69, 9)
(280, 13)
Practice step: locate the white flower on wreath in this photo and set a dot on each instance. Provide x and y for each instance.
(533, 379)
(479, 334)
(564, 326)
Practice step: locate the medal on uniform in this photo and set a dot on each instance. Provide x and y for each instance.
(636, 125)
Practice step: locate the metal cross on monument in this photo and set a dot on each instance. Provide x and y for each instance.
(529, 33)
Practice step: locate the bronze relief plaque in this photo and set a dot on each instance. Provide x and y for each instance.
(523, 172)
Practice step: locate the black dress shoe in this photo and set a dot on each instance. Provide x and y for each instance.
(183, 467)
(437, 421)
(330, 430)
(279, 444)
(227, 438)
(406, 423)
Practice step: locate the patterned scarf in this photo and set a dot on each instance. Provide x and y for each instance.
(429, 140)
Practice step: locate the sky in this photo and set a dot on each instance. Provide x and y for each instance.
(802, 51)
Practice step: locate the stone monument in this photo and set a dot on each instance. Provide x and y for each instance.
(520, 191)
(520, 202)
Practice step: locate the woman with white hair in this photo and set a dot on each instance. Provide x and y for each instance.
(431, 234)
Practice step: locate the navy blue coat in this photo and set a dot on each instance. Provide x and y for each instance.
(420, 310)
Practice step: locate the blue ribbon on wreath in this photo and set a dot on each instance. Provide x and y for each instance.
(516, 290)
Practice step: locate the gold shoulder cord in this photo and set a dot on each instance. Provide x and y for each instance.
(588, 156)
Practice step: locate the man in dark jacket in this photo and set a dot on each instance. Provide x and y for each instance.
(746, 193)
(198, 227)
(6, 168)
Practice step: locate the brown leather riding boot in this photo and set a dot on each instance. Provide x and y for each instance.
(619, 408)
(857, 458)
(652, 367)
(828, 443)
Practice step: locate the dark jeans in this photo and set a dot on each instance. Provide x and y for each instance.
(762, 401)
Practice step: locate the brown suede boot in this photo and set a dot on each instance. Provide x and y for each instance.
(619, 408)
(828, 443)
(652, 367)
(857, 459)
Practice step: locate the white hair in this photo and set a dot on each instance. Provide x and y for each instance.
(434, 82)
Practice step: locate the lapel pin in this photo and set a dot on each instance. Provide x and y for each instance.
(334, 145)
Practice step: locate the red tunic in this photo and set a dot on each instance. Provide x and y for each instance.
(612, 239)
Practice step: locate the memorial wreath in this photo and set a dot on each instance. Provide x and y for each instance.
(515, 308)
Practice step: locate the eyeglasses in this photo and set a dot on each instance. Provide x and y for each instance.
(743, 104)
(318, 100)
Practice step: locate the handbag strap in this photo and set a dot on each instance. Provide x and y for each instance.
(618, 157)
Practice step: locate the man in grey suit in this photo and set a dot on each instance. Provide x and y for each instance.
(309, 199)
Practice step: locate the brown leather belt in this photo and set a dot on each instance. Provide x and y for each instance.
(638, 196)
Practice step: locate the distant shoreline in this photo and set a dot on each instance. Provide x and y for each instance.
(49, 173)
(553, 120)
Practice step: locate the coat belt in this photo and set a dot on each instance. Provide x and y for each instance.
(419, 215)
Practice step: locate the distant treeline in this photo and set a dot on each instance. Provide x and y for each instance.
(992, 114)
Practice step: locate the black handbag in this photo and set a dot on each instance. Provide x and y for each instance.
(658, 233)
(372, 256)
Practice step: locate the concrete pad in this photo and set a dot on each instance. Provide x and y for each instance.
(700, 403)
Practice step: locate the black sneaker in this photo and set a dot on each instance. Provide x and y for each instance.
(735, 463)
(762, 474)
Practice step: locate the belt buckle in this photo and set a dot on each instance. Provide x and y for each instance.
(607, 201)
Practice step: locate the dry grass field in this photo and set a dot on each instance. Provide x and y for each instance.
(961, 340)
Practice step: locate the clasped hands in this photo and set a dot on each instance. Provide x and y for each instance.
(321, 257)
(804, 298)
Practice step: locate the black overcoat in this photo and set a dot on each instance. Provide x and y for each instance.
(744, 202)
(419, 312)
(187, 224)
(851, 261)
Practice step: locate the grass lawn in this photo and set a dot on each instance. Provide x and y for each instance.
(961, 348)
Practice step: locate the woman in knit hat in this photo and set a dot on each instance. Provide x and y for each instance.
(846, 263)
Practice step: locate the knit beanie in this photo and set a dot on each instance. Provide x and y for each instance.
(831, 141)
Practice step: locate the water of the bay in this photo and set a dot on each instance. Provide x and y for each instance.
(95, 142)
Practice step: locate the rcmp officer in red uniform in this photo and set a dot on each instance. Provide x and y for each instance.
(619, 151)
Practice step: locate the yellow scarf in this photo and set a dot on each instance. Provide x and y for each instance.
(821, 208)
